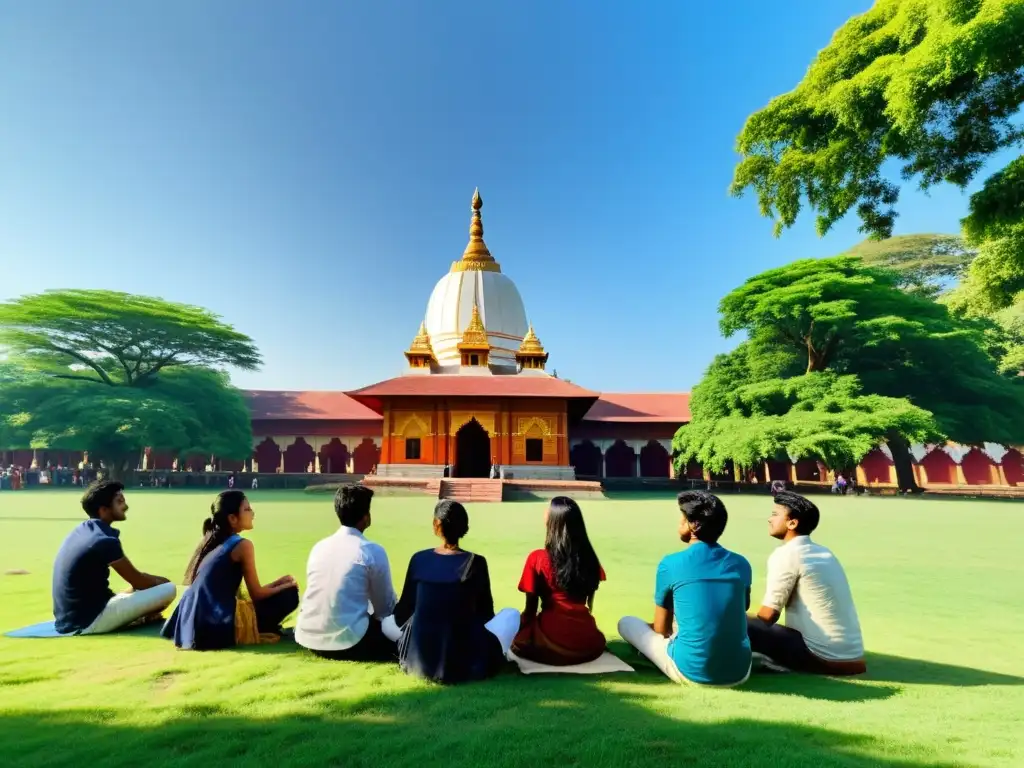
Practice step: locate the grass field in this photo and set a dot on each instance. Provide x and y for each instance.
(937, 585)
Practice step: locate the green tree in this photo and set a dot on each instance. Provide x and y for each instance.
(837, 315)
(933, 85)
(926, 264)
(113, 373)
(822, 416)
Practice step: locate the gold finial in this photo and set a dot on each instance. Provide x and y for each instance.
(476, 257)
(531, 353)
(531, 344)
(420, 350)
(475, 335)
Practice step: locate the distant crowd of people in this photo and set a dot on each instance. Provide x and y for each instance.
(444, 627)
(16, 477)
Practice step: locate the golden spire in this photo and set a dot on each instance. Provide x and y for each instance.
(531, 352)
(531, 344)
(420, 350)
(475, 335)
(476, 257)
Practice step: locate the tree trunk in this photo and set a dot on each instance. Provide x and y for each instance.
(900, 450)
(116, 467)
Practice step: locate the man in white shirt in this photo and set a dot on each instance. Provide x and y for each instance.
(348, 588)
(822, 633)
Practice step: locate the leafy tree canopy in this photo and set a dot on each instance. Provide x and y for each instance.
(113, 373)
(925, 264)
(835, 314)
(822, 416)
(934, 85)
(117, 338)
(184, 411)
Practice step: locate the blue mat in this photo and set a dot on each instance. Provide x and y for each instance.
(43, 629)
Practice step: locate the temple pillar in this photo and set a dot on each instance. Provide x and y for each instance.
(960, 478)
(792, 473)
(1000, 474)
(862, 476)
(280, 468)
(35, 460)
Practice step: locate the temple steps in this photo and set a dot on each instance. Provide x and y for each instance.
(468, 490)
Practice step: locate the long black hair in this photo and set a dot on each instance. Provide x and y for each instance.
(573, 560)
(216, 529)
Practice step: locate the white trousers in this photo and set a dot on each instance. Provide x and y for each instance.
(504, 626)
(126, 607)
(637, 633)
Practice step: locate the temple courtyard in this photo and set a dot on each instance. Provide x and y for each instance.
(937, 585)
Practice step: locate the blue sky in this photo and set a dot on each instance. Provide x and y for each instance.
(305, 170)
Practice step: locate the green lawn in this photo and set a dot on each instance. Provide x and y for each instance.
(937, 585)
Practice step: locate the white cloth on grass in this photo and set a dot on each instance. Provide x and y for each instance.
(604, 664)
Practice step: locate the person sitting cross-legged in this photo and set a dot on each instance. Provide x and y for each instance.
(210, 614)
(706, 590)
(348, 588)
(83, 602)
(822, 632)
(561, 579)
(445, 623)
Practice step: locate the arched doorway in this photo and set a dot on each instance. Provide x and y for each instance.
(298, 456)
(586, 457)
(472, 450)
(620, 460)
(654, 460)
(939, 467)
(365, 456)
(334, 457)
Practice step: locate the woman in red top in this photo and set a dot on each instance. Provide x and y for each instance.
(562, 578)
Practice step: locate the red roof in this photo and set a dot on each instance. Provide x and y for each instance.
(455, 385)
(663, 408)
(332, 406)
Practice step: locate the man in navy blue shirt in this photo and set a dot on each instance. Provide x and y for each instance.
(705, 589)
(83, 602)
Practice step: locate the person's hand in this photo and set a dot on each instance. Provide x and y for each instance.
(285, 582)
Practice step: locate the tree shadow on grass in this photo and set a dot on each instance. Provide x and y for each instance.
(898, 669)
(503, 723)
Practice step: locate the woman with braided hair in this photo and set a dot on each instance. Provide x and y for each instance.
(211, 614)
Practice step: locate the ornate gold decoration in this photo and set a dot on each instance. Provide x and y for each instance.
(474, 338)
(412, 425)
(528, 424)
(476, 257)
(542, 427)
(420, 354)
(531, 353)
(460, 418)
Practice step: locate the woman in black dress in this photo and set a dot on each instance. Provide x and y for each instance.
(449, 632)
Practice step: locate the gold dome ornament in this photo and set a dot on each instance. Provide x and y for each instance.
(474, 346)
(476, 257)
(420, 353)
(531, 354)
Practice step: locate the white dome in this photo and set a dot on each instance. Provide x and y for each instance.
(501, 310)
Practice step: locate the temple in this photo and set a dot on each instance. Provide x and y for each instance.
(477, 399)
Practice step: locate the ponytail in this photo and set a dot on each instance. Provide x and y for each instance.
(216, 530)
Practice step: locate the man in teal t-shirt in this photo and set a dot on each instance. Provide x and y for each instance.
(706, 590)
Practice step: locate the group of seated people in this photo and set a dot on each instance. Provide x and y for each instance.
(444, 626)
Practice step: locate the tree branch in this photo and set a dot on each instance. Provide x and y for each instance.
(84, 361)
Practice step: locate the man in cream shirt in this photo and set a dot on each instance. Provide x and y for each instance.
(348, 588)
(821, 634)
